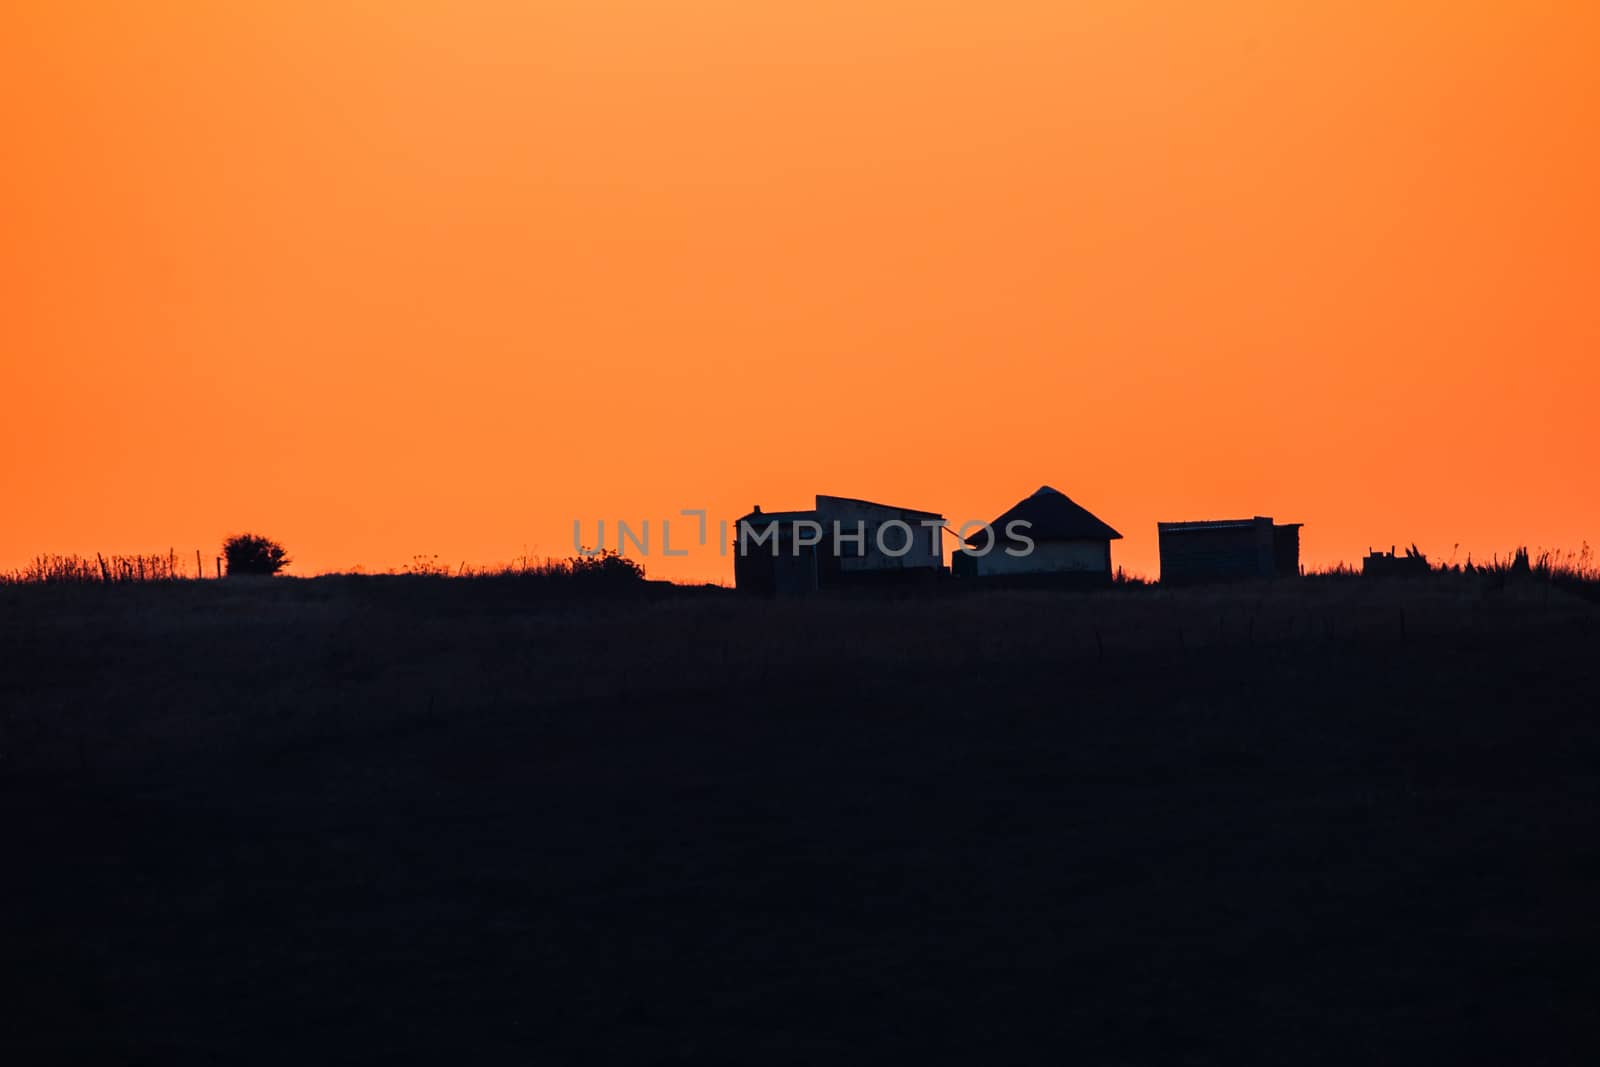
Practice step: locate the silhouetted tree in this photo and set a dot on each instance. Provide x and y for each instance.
(249, 553)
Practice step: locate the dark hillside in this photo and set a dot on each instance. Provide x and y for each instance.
(347, 820)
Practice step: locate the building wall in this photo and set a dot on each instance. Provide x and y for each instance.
(753, 573)
(791, 571)
(1286, 550)
(1256, 549)
(795, 575)
(926, 550)
(1048, 557)
(797, 569)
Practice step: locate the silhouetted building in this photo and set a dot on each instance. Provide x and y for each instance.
(1227, 550)
(840, 542)
(1390, 564)
(1045, 538)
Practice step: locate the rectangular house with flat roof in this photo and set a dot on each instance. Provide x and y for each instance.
(1228, 550)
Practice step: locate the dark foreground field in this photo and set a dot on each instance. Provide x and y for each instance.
(361, 821)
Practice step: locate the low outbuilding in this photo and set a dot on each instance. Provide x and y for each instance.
(1228, 550)
(1046, 536)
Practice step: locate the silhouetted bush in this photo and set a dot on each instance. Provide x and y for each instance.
(429, 566)
(253, 554)
(606, 566)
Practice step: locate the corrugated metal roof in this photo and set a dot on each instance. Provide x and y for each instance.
(1221, 524)
(1205, 524)
(874, 504)
(767, 517)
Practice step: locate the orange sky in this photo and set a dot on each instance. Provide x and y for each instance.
(393, 278)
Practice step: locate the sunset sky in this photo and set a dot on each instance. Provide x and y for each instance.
(400, 278)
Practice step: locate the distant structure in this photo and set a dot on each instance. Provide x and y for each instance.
(791, 553)
(1228, 550)
(1390, 564)
(1061, 543)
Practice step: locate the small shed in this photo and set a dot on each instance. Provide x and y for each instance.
(1391, 564)
(1228, 550)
